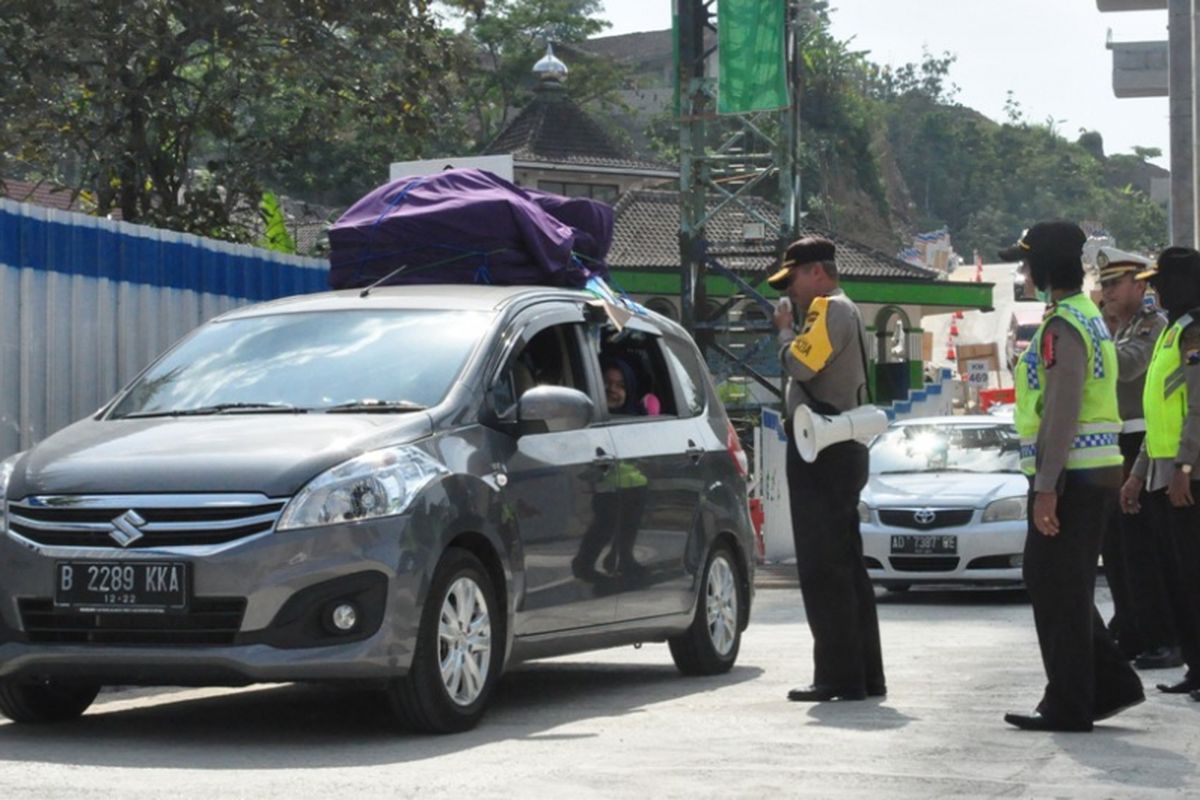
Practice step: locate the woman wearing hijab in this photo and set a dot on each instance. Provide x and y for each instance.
(621, 390)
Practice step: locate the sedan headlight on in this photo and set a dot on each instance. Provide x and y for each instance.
(864, 513)
(381, 483)
(6, 471)
(1008, 509)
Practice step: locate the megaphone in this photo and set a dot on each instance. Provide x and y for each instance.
(814, 432)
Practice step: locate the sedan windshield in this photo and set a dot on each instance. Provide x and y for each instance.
(379, 361)
(946, 448)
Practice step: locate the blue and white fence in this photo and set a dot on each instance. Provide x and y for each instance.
(86, 303)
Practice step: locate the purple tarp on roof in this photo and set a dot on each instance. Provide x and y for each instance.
(468, 226)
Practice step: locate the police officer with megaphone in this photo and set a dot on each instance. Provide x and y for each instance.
(826, 369)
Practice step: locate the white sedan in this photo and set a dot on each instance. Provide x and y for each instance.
(946, 503)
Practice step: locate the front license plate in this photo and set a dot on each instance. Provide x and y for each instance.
(122, 586)
(927, 545)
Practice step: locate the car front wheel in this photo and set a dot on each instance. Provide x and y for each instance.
(45, 702)
(710, 645)
(458, 654)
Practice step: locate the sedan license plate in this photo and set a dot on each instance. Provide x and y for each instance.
(122, 586)
(925, 545)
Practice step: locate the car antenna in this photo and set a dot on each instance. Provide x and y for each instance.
(387, 277)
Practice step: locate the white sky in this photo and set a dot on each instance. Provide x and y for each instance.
(1050, 53)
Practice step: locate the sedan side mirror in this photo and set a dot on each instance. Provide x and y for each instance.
(553, 409)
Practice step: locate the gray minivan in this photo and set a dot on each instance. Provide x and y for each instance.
(409, 486)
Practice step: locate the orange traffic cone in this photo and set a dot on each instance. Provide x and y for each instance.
(953, 328)
(950, 354)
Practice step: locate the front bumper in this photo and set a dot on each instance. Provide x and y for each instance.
(986, 553)
(274, 591)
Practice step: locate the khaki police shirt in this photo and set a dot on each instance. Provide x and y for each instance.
(827, 356)
(1158, 472)
(1135, 345)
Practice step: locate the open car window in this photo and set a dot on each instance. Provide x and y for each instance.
(550, 357)
(634, 360)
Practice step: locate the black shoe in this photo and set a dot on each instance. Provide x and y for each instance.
(1159, 658)
(1036, 722)
(822, 694)
(1117, 708)
(1183, 687)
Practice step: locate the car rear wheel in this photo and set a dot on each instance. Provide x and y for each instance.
(710, 645)
(458, 654)
(45, 701)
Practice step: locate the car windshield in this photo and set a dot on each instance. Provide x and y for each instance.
(376, 361)
(946, 448)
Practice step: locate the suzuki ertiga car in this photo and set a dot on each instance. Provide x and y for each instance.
(412, 488)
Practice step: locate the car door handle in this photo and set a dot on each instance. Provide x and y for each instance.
(694, 452)
(603, 459)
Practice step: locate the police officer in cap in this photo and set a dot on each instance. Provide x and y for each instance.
(1142, 624)
(1067, 419)
(826, 369)
(1168, 468)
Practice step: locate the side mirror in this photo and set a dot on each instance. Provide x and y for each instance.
(553, 409)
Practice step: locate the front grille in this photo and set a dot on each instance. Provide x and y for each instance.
(173, 521)
(925, 519)
(209, 620)
(924, 563)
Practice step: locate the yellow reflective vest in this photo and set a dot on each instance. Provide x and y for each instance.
(1165, 393)
(1095, 442)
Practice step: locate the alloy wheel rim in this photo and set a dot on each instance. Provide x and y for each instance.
(464, 641)
(721, 606)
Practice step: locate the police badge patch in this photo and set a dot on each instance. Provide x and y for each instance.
(1049, 349)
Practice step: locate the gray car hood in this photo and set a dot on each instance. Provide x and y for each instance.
(274, 454)
(942, 489)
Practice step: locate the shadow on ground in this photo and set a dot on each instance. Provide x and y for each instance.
(295, 725)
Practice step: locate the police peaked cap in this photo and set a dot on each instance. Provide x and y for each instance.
(808, 250)
(1114, 263)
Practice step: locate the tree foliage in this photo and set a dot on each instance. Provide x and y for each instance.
(182, 110)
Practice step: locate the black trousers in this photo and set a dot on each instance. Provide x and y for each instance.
(1084, 670)
(1182, 529)
(1135, 552)
(839, 600)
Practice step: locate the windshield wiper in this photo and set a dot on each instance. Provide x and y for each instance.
(220, 408)
(369, 406)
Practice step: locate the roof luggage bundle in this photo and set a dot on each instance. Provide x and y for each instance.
(469, 226)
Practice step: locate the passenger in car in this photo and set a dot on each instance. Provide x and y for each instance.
(621, 391)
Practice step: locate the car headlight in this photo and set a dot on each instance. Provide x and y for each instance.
(864, 512)
(1010, 508)
(380, 483)
(6, 471)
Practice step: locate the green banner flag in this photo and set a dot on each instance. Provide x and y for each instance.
(753, 60)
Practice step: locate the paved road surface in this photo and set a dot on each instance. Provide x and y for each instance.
(622, 723)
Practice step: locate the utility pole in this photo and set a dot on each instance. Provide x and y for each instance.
(1180, 90)
(726, 159)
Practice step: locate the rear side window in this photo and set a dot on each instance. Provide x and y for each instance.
(684, 365)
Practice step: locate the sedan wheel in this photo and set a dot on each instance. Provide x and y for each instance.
(721, 607)
(454, 667)
(710, 645)
(464, 641)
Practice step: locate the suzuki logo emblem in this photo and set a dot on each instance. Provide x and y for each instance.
(925, 516)
(126, 528)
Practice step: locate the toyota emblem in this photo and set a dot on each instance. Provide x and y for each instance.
(925, 516)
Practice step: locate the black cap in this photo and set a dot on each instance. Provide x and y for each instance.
(1181, 260)
(803, 251)
(1052, 238)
